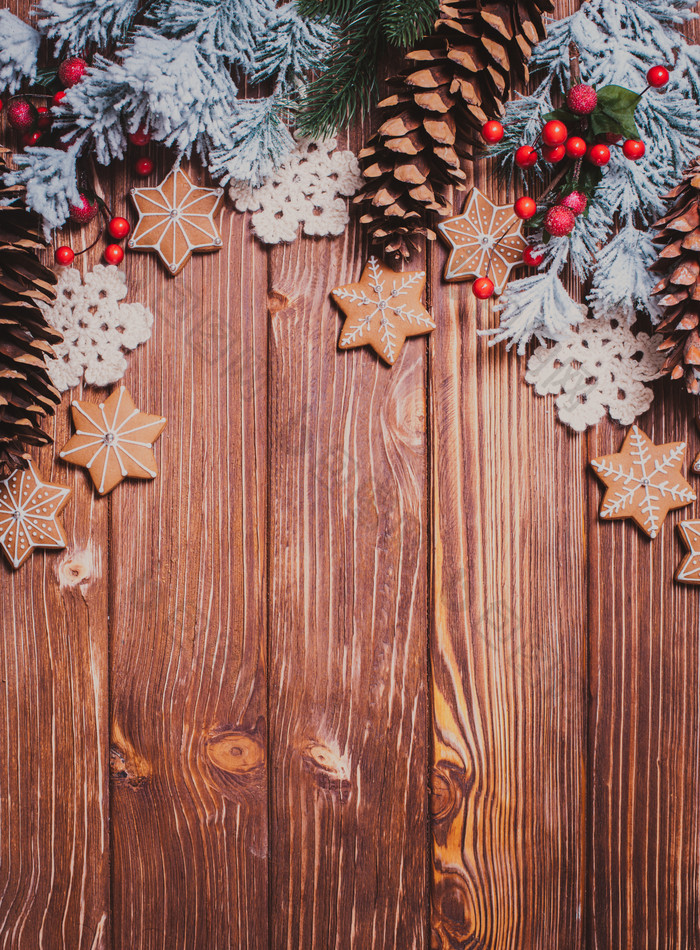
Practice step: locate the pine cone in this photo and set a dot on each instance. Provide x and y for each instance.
(26, 393)
(452, 83)
(679, 262)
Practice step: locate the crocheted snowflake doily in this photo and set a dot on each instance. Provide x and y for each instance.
(601, 365)
(96, 327)
(309, 188)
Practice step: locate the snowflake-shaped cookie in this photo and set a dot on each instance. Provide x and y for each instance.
(383, 309)
(486, 239)
(308, 189)
(600, 366)
(29, 510)
(643, 481)
(688, 571)
(96, 327)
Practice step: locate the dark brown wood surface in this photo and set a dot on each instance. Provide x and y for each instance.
(361, 669)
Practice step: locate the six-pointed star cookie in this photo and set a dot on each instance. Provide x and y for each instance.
(483, 232)
(28, 514)
(643, 481)
(175, 219)
(113, 440)
(688, 571)
(382, 310)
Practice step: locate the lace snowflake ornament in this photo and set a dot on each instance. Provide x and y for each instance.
(308, 189)
(601, 366)
(96, 327)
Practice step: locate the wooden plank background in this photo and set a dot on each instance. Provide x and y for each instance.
(361, 668)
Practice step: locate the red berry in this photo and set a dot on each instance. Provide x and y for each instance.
(57, 96)
(31, 138)
(576, 147)
(633, 149)
(483, 288)
(118, 228)
(525, 208)
(142, 137)
(143, 166)
(612, 138)
(21, 115)
(598, 154)
(72, 70)
(83, 212)
(492, 132)
(531, 257)
(525, 156)
(44, 117)
(559, 221)
(0, 105)
(657, 76)
(582, 99)
(575, 201)
(554, 132)
(64, 255)
(114, 254)
(553, 154)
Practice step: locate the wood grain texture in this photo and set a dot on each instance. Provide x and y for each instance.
(348, 609)
(188, 631)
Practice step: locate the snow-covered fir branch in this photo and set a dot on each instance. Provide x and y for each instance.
(49, 177)
(74, 25)
(19, 45)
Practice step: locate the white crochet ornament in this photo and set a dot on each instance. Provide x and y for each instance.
(96, 327)
(308, 189)
(601, 365)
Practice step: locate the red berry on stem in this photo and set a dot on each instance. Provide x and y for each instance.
(44, 117)
(118, 228)
(64, 255)
(143, 166)
(554, 132)
(576, 147)
(57, 96)
(83, 212)
(657, 76)
(114, 254)
(525, 156)
(553, 154)
(633, 149)
(483, 288)
(491, 132)
(531, 257)
(71, 71)
(21, 115)
(31, 138)
(598, 154)
(575, 201)
(142, 137)
(525, 208)
(559, 221)
(582, 99)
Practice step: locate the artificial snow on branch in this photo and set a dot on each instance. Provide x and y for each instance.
(19, 45)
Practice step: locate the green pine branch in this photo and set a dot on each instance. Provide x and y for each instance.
(347, 84)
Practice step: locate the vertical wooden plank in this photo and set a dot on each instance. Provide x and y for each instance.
(644, 716)
(508, 643)
(348, 616)
(188, 645)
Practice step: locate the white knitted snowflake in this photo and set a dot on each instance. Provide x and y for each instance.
(600, 365)
(308, 189)
(96, 327)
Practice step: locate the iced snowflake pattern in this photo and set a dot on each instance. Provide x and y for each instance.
(643, 481)
(29, 510)
(382, 310)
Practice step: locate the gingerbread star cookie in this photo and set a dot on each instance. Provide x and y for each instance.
(688, 571)
(486, 240)
(382, 310)
(113, 440)
(29, 510)
(643, 481)
(175, 219)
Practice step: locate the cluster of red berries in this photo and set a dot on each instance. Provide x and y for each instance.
(117, 228)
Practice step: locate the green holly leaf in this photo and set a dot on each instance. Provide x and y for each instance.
(615, 112)
(561, 115)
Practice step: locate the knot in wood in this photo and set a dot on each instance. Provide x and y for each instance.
(446, 792)
(328, 768)
(236, 758)
(76, 567)
(276, 302)
(236, 751)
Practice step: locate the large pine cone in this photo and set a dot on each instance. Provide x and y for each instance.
(26, 392)
(679, 261)
(456, 80)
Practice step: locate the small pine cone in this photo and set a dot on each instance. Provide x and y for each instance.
(457, 79)
(679, 287)
(26, 392)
